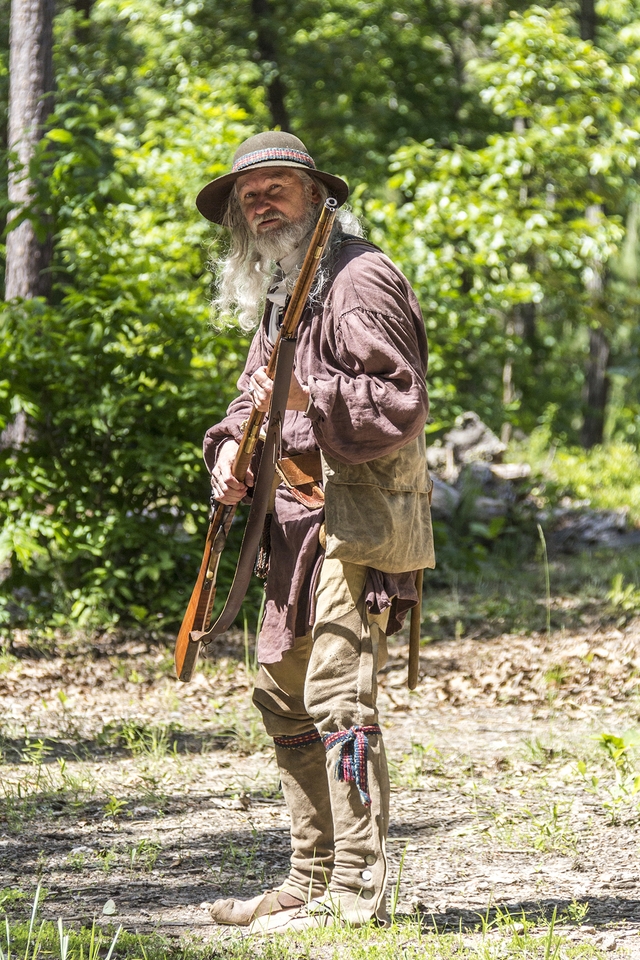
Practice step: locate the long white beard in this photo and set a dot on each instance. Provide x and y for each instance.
(280, 241)
(245, 273)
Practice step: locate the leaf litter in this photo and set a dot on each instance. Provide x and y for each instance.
(133, 798)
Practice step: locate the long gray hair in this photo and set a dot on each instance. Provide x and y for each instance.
(244, 273)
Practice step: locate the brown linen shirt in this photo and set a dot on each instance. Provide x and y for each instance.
(363, 355)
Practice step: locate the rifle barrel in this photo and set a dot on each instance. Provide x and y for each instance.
(198, 613)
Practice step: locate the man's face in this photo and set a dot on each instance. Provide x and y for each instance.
(273, 199)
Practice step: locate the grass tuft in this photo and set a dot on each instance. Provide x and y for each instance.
(496, 935)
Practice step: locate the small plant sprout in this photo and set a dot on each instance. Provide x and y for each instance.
(578, 910)
(113, 943)
(64, 940)
(625, 597)
(619, 790)
(114, 807)
(551, 830)
(547, 580)
(77, 861)
(106, 859)
(34, 911)
(395, 895)
(144, 854)
(551, 948)
(35, 751)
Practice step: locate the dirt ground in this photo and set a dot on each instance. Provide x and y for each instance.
(133, 798)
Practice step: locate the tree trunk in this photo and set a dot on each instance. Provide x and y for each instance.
(596, 386)
(522, 325)
(30, 82)
(596, 391)
(83, 9)
(588, 19)
(523, 319)
(267, 54)
(508, 394)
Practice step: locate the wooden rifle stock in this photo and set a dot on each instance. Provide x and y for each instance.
(198, 614)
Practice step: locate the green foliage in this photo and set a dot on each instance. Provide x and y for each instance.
(513, 194)
(510, 597)
(617, 783)
(502, 242)
(550, 830)
(497, 933)
(39, 937)
(605, 477)
(104, 506)
(114, 807)
(140, 739)
(359, 76)
(624, 596)
(608, 476)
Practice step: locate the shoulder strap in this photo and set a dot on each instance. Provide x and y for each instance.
(348, 238)
(261, 496)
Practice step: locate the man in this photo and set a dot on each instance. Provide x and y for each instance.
(342, 563)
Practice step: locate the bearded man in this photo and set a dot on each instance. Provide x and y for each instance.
(350, 523)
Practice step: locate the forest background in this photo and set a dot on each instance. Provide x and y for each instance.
(491, 149)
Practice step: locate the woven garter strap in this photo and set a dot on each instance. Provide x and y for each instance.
(301, 740)
(351, 765)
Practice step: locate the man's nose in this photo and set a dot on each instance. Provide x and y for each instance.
(262, 204)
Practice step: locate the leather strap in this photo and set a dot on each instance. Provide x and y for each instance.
(310, 495)
(261, 496)
(301, 468)
(299, 475)
(348, 238)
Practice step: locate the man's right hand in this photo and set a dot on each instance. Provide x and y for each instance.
(226, 489)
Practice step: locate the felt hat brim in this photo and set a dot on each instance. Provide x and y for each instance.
(212, 199)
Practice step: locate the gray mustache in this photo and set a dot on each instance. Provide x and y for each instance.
(274, 215)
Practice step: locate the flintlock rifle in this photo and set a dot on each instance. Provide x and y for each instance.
(197, 618)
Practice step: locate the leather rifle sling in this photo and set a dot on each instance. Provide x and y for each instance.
(261, 495)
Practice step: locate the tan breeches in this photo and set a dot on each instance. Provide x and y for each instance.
(328, 678)
(326, 686)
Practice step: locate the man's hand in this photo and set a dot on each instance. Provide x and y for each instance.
(261, 386)
(226, 489)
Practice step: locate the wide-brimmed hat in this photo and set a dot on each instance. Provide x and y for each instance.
(271, 149)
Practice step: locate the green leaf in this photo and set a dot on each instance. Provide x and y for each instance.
(59, 135)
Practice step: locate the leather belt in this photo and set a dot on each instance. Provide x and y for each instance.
(301, 468)
(300, 474)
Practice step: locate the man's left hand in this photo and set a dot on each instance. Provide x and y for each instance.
(261, 387)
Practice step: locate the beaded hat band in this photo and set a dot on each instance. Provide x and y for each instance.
(271, 149)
